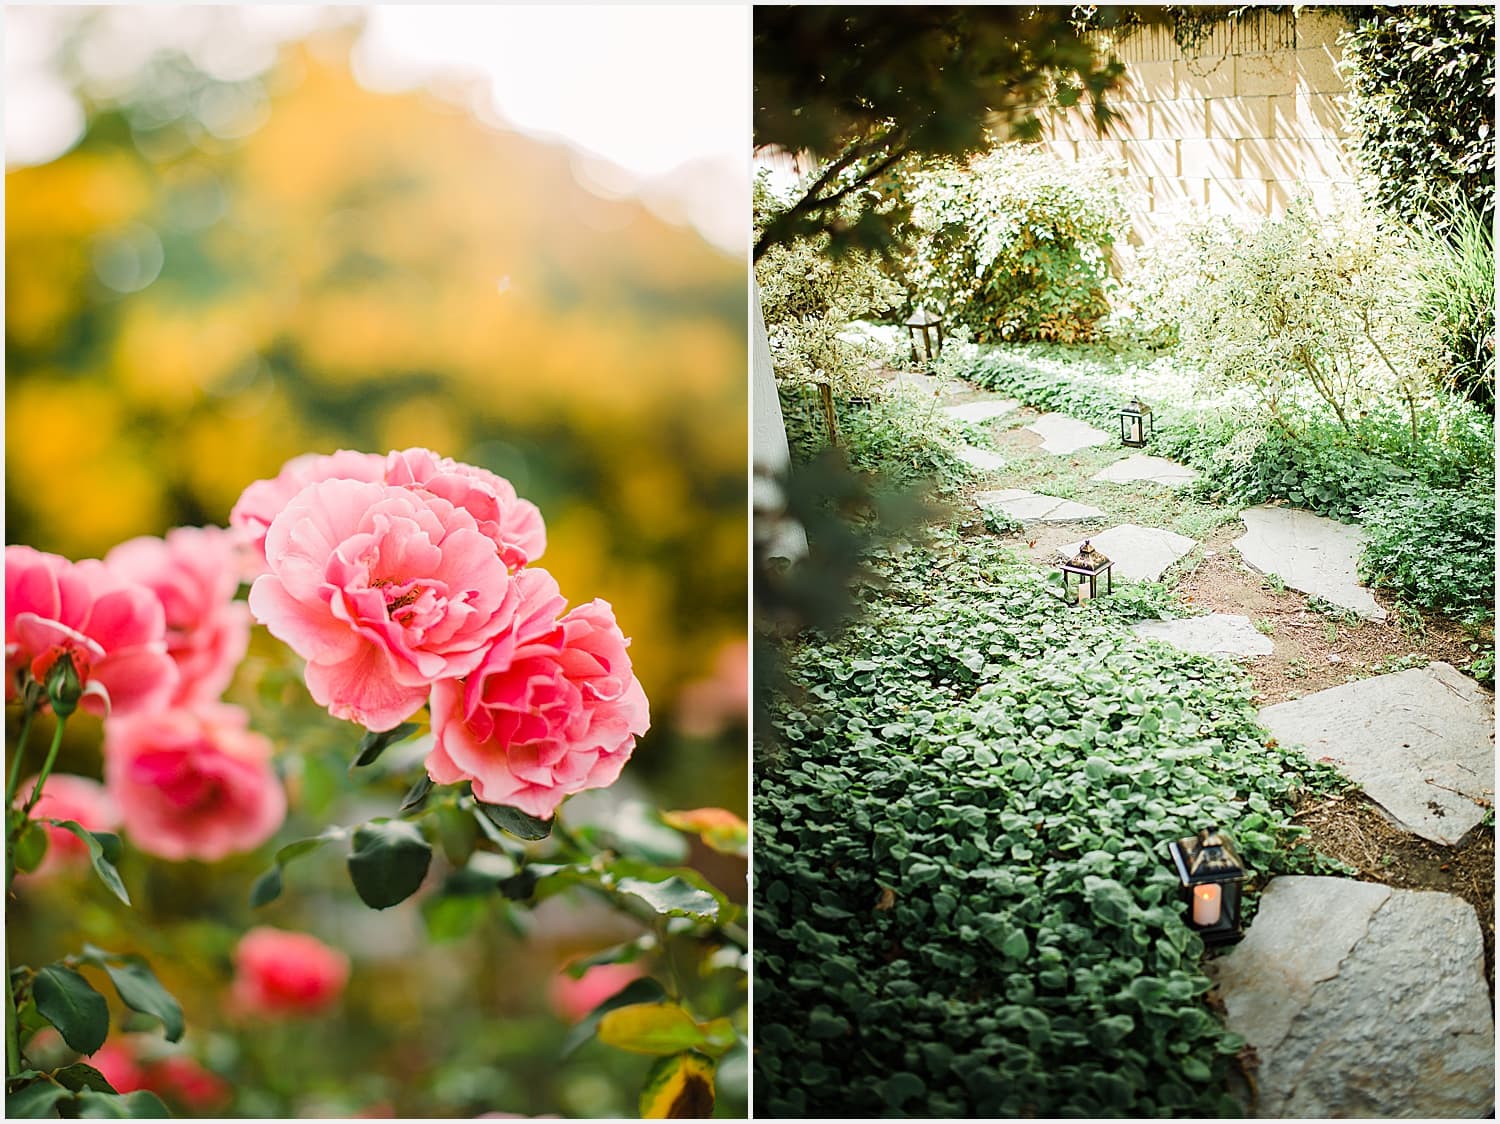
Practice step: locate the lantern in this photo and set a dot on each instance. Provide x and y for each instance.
(1211, 874)
(1135, 424)
(926, 322)
(1087, 567)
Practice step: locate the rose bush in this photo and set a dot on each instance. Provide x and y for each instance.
(193, 782)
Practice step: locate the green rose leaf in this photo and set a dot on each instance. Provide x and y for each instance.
(673, 897)
(267, 888)
(140, 1105)
(515, 821)
(388, 862)
(81, 1075)
(104, 850)
(39, 1099)
(374, 743)
(67, 1001)
(140, 990)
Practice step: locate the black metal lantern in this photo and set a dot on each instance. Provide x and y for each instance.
(925, 322)
(1135, 424)
(1211, 874)
(1086, 568)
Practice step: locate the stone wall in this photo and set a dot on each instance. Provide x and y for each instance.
(1241, 123)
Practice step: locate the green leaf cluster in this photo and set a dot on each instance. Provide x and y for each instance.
(963, 902)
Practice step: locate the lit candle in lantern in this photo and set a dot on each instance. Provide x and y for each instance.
(1206, 904)
(1135, 429)
(1084, 593)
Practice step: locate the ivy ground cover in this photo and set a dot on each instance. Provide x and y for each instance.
(963, 903)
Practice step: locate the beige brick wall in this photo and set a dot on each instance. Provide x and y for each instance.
(1250, 118)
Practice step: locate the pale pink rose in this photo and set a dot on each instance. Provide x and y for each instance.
(113, 629)
(573, 999)
(382, 590)
(707, 705)
(66, 797)
(513, 524)
(264, 500)
(553, 709)
(283, 973)
(194, 573)
(194, 782)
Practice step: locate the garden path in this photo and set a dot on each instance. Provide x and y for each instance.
(1033, 507)
(1357, 999)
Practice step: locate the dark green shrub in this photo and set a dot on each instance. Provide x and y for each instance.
(1423, 107)
(1436, 548)
(1015, 246)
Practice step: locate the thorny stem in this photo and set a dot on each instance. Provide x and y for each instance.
(33, 700)
(41, 778)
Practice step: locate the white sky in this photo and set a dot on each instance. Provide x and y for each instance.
(642, 88)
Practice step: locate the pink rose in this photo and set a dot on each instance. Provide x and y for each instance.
(553, 709)
(114, 631)
(573, 999)
(66, 797)
(194, 573)
(382, 590)
(193, 783)
(263, 501)
(282, 973)
(513, 524)
(183, 1079)
(117, 1060)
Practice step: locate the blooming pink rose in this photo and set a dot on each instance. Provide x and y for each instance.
(194, 782)
(114, 631)
(283, 973)
(264, 500)
(66, 797)
(382, 590)
(553, 709)
(194, 573)
(573, 999)
(513, 524)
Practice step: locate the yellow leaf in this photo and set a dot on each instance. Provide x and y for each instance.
(722, 830)
(650, 1028)
(679, 1087)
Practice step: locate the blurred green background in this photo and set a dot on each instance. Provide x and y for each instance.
(223, 273)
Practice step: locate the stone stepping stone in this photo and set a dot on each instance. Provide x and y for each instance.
(1062, 434)
(981, 411)
(1421, 742)
(930, 386)
(1032, 507)
(1308, 553)
(982, 459)
(1218, 634)
(1153, 470)
(1138, 553)
(1362, 1000)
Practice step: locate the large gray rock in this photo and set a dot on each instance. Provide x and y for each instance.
(1309, 553)
(1138, 553)
(1421, 742)
(982, 459)
(1153, 470)
(981, 411)
(1062, 434)
(1361, 1000)
(1218, 634)
(1032, 507)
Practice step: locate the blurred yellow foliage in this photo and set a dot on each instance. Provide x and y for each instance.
(376, 271)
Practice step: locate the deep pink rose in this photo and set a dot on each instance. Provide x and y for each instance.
(66, 797)
(182, 1079)
(264, 500)
(382, 590)
(193, 783)
(553, 709)
(573, 999)
(513, 524)
(194, 573)
(119, 1062)
(283, 973)
(113, 629)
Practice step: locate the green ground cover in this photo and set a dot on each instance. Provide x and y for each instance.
(963, 900)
